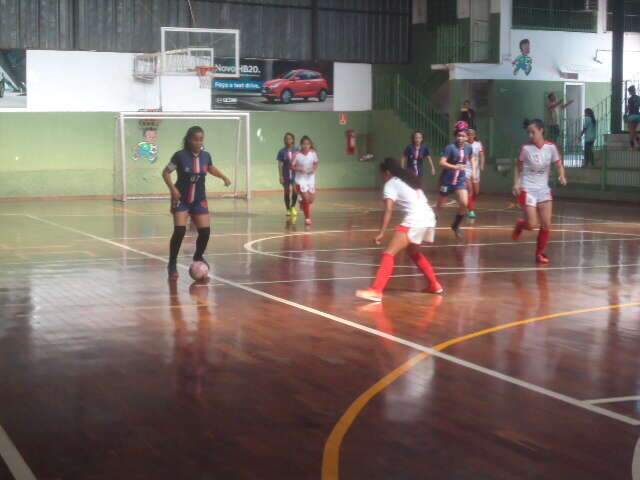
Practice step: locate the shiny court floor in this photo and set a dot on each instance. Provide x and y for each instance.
(274, 370)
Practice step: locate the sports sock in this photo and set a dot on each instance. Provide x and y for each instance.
(384, 272)
(287, 202)
(175, 243)
(458, 220)
(306, 208)
(425, 266)
(201, 242)
(543, 239)
(294, 198)
(472, 201)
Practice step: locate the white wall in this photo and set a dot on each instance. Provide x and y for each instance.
(555, 52)
(352, 87)
(85, 81)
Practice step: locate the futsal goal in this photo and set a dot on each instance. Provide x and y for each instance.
(145, 142)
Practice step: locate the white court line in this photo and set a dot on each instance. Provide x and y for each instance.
(598, 401)
(443, 356)
(105, 260)
(465, 272)
(249, 246)
(12, 458)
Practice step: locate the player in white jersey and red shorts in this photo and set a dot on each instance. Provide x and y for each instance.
(531, 186)
(305, 164)
(403, 189)
(473, 179)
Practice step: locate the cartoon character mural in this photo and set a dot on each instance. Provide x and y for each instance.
(523, 61)
(147, 149)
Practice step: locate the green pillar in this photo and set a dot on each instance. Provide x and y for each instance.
(617, 65)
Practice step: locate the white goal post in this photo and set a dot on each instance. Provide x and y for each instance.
(145, 142)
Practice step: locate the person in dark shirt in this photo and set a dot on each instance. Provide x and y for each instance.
(468, 114)
(632, 116)
(188, 194)
(287, 175)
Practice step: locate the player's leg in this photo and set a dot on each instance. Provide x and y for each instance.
(294, 198)
(398, 242)
(529, 219)
(203, 223)
(287, 197)
(544, 214)
(308, 197)
(423, 263)
(462, 196)
(179, 230)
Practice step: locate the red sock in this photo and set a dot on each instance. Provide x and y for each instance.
(425, 266)
(472, 201)
(384, 272)
(543, 239)
(306, 208)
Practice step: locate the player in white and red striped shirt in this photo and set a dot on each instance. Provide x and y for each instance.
(531, 186)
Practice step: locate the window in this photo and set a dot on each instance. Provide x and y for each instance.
(631, 16)
(566, 15)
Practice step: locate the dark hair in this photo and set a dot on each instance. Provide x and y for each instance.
(536, 121)
(284, 139)
(589, 113)
(149, 129)
(393, 166)
(415, 132)
(524, 41)
(632, 88)
(186, 142)
(306, 137)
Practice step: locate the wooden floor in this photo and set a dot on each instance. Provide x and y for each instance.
(275, 371)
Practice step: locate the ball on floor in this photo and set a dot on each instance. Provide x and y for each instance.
(199, 271)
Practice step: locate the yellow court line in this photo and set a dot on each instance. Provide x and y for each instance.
(331, 454)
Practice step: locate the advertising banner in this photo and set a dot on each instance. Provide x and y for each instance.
(13, 78)
(275, 85)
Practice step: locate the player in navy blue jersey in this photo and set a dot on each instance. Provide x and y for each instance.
(287, 175)
(188, 194)
(415, 154)
(454, 161)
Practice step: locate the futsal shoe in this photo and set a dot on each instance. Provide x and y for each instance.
(288, 214)
(435, 289)
(458, 233)
(369, 294)
(308, 221)
(294, 212)
(472, 214)
(542, 259)
(172, 270)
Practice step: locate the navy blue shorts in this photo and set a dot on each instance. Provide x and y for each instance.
(451, 183)
(199, 207)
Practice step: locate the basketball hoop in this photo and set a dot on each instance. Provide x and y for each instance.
(205, 74)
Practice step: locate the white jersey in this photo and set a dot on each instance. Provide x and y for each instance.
(476, 148)
(418, 213)
(536, 165)
(305, 177)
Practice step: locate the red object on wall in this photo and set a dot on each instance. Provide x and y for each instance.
(351, 142)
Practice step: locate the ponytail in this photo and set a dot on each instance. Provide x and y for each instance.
(392, 166)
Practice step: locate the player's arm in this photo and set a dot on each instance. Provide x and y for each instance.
(316, 161)
(218, 174)
(166, 176)
(447, 166)
(433, 168)
(562, 178)
(403, 161)
(386, 219)
(482, 159)
(281, 171)
(517, 176)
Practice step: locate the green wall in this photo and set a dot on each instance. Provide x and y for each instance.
(72, 154)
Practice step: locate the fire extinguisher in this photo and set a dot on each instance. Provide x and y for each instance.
(351, 142)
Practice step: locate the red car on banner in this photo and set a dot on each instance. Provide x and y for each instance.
(296, 84)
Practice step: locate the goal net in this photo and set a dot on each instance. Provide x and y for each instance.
(145, 142)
